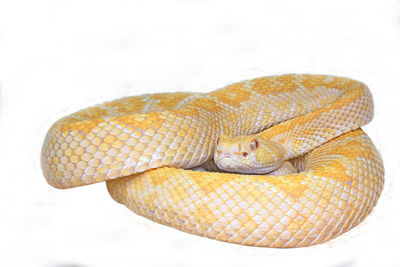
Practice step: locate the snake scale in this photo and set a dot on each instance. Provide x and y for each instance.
(145, 148)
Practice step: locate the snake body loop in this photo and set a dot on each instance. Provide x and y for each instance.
(144, 146)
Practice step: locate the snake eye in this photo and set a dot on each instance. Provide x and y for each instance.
(245, 154)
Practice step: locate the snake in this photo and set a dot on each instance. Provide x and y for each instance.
(158, 156)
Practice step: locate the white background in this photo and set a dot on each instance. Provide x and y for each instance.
(58, 56)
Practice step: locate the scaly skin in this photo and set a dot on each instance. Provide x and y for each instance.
(140, 145)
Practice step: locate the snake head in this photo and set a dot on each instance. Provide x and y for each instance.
(248, 154)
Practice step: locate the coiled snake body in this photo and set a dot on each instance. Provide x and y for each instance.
(144, 147)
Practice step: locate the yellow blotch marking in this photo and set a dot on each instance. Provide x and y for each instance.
(109, 139)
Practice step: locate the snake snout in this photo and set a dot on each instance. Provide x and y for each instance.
(234, 154)
(229, 148)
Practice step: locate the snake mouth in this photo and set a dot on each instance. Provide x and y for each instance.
(229, 164)
(233, 160)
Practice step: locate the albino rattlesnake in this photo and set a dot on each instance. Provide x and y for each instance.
(143, 146)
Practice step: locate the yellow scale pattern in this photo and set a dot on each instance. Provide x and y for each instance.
(144, 145)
